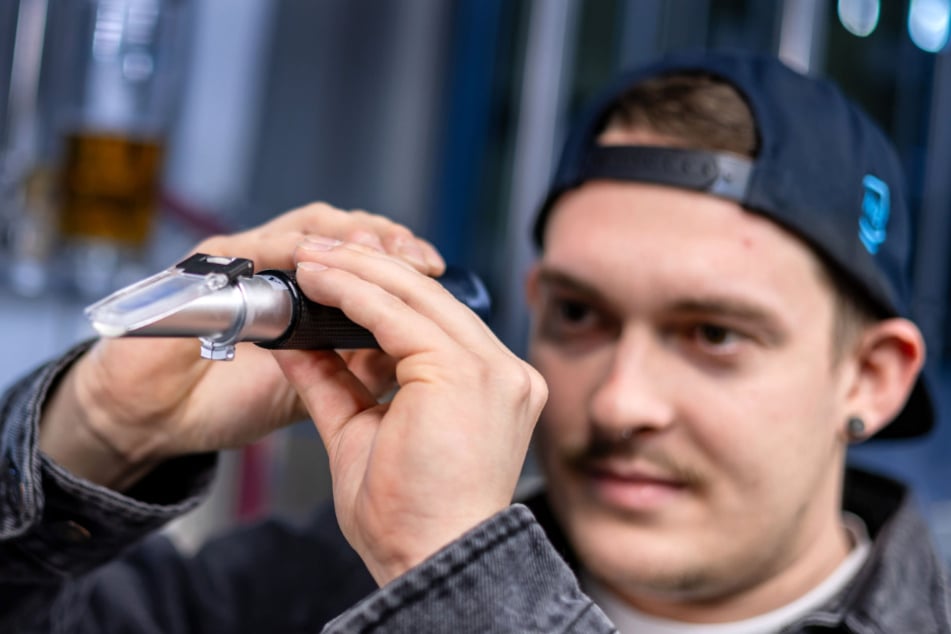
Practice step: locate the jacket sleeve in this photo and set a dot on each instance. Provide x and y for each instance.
(502, 576)
(54, 527)
(71, 559)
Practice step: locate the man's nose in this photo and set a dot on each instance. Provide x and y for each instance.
(635, 393)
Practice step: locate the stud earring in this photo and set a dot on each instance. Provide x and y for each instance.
(855, 428)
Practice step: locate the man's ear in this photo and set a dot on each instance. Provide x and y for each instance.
(889, 355)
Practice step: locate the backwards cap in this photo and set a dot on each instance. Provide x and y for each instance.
(824, 171)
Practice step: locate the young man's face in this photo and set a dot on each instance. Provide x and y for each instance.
(692, 437)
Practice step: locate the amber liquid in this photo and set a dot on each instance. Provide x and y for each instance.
(109, 187)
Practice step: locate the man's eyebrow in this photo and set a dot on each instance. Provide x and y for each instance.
(720, 306)
(552, 277)
(732, 309)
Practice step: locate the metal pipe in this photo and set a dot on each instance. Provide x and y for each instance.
(548, 60)
(23, 97)
(931, 265)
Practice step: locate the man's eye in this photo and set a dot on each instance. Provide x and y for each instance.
(716, 337)
(570, 320)
(572, 312)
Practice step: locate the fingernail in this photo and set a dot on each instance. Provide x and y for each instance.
(412, 252)
(366, 238)
(311, 266)
(319, 243)
(434, 260)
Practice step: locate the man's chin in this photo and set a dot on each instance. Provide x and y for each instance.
(644, 573)
(633, 551)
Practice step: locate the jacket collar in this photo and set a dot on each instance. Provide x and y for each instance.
(903, 587)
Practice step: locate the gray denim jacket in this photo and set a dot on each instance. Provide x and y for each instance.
(75, 557)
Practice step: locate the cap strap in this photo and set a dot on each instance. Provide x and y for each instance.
(717, 173)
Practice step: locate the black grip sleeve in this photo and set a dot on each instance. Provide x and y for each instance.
(317, 327)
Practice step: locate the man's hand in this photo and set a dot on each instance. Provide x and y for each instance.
(412, 474)
(131, 403)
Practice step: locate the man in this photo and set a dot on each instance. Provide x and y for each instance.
(718, 313)
(708, 366)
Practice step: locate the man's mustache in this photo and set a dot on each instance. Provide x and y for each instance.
(603, 446)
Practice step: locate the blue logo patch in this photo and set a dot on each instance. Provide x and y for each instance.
(876, 207)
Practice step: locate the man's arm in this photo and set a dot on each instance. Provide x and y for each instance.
(129, 404)
(104, 446)
(55, 527)
(72, 556)
(423, 483)
(502, 576)
(412, 477)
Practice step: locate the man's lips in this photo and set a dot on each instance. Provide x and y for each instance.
(633, 487)
(632, 472)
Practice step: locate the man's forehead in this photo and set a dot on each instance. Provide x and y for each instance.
(643, 214)
(621, 234)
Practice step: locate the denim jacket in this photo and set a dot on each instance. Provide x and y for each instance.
(75, 557)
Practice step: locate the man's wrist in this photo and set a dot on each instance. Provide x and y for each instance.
(71, 435)
(427, 543)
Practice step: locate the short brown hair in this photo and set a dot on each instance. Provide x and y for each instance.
(699, 109)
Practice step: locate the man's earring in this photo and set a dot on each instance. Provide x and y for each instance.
(855, 428)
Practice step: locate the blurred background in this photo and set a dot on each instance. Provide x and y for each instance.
(130, 129)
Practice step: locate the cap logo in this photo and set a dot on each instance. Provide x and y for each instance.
(876, 207)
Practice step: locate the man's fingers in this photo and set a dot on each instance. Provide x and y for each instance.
(267, 250)
(400, 330)
(271, 244)
(331, 393)
(410, 301)
(375, 369)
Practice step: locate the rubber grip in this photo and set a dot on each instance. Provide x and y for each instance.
(318, 327)
(315, 326)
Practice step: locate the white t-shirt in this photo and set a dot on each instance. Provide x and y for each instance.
(630, 620)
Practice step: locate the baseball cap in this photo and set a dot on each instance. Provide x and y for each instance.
(824, 171)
